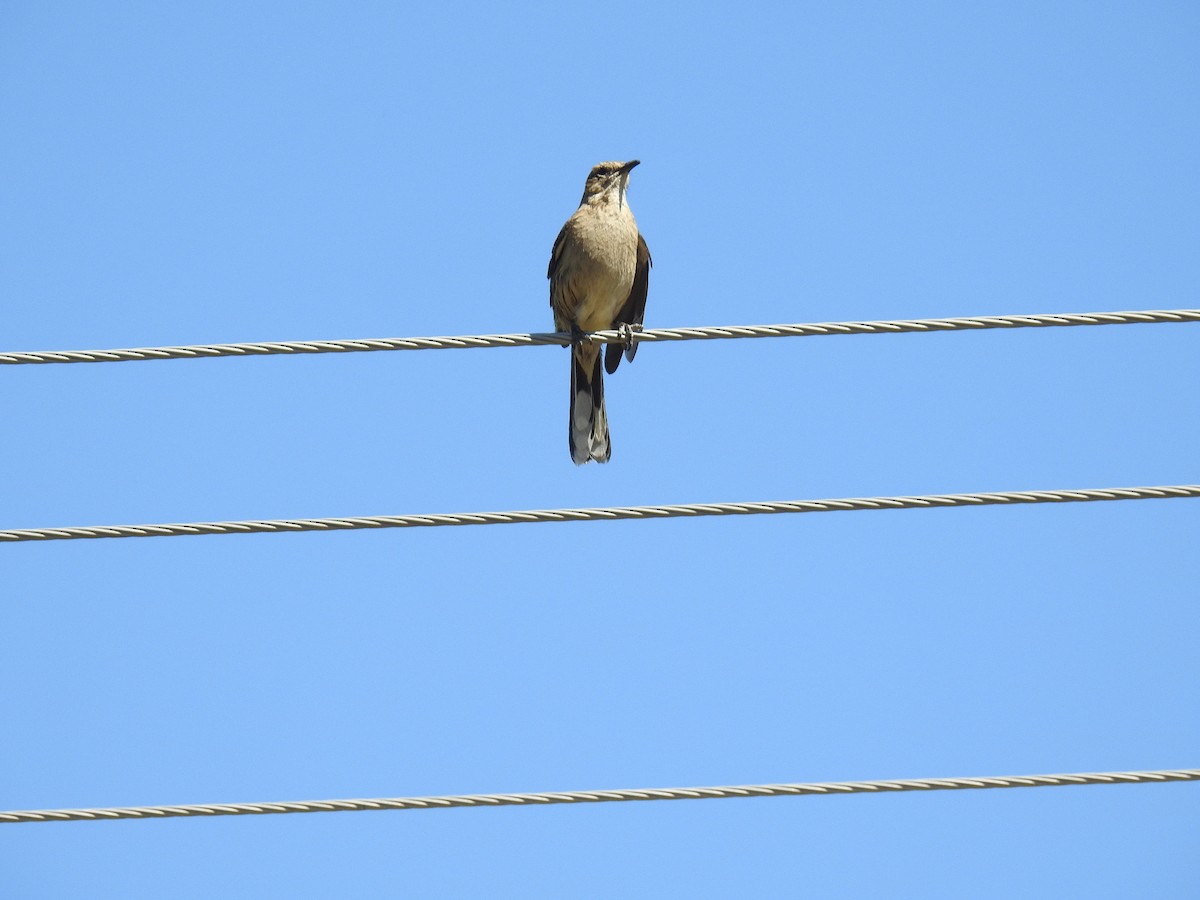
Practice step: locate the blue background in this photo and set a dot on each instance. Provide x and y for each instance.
(270, 171)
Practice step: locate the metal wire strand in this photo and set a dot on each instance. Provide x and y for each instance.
(727, 332)
(543, 799)
(606, 513)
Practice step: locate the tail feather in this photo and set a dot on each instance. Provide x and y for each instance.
(588, 432)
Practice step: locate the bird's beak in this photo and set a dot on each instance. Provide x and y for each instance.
(625, 169)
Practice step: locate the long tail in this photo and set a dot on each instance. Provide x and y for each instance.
(589, 423)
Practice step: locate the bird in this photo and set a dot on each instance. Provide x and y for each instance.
(599, 276)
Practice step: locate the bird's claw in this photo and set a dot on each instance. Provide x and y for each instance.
(626, 331)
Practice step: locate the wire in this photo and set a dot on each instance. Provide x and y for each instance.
(728, 332)
(516, 517)
(695, 793)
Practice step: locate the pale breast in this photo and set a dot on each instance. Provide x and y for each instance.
(595, 273)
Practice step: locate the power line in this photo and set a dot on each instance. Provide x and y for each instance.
(545, 799)
(727, 332)
(605, 513)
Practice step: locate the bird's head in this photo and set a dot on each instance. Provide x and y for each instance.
(608, 181)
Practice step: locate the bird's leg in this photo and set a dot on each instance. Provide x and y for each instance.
(627, 331)
(578, 335)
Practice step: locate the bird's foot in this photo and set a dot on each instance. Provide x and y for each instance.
(627, 331)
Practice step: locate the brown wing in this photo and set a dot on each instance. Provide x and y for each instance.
(558, 291)
(556, 253)
(634, 310)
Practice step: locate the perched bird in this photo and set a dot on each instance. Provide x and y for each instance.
(599, 274)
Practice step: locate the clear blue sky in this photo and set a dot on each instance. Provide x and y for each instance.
(267, 171)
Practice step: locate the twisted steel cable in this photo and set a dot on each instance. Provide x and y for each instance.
(543, 799)
(655, 335)
(515, 517)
